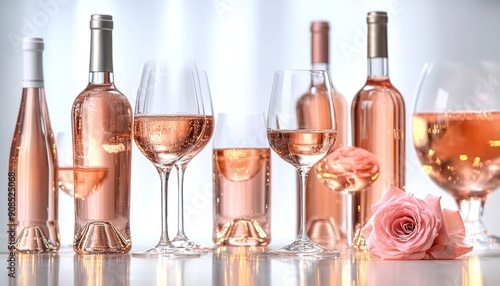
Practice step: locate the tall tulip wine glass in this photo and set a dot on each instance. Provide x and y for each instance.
(169, 123)
(299, 138)
(456, 134)
(181, 241)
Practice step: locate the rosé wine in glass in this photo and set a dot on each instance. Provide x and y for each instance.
(456, 134)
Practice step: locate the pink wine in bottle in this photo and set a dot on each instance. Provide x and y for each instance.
(325, 209)
(378, 123)
(33, 162)
(102, 133)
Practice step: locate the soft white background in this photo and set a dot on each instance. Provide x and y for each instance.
(240, 43)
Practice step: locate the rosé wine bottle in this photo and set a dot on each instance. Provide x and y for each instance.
(378, 123)
(102, 130)
(33, 190)
(325, 215)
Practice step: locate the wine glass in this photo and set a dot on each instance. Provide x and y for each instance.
(298, 138)
(348, 170)
(181, 241)
(65, 181)
(169, 123)
(456, 134)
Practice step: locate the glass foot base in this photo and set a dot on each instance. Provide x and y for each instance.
(167, 250)
(32, 240)
(483, 244)
(359, 241)
(304, 248)
(99, 238)
(184, 244)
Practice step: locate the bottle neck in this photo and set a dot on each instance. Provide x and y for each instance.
(319, 45)
(33, 69)
(378, 68)
(320, 66)
(377, 45)
(101, 51)
(101, 77)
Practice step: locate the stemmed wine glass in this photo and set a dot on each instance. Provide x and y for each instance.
(66, 183)
(169, 123)
(348, 170)
(456, 134)
(181, 241)
(298, 137)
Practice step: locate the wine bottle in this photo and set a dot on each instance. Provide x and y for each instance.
(325, 221)
(102, 133)
(33, 162)
(378, 122)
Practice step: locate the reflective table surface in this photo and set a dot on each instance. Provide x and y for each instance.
(243, 266)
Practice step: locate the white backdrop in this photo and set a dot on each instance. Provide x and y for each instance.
(240, 43)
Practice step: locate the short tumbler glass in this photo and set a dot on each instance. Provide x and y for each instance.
(242, 185)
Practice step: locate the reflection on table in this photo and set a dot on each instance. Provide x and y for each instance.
(246, 266)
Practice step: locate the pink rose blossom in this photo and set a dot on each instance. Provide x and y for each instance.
(406, 227)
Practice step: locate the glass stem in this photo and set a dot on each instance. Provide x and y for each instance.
(180, 200)
(472, 212)
(349, 220)
(164, 174)
(303, 173)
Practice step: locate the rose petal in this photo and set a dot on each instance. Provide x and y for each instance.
(434, 204)
(392, 194)
(394, 254)
(455, 246)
